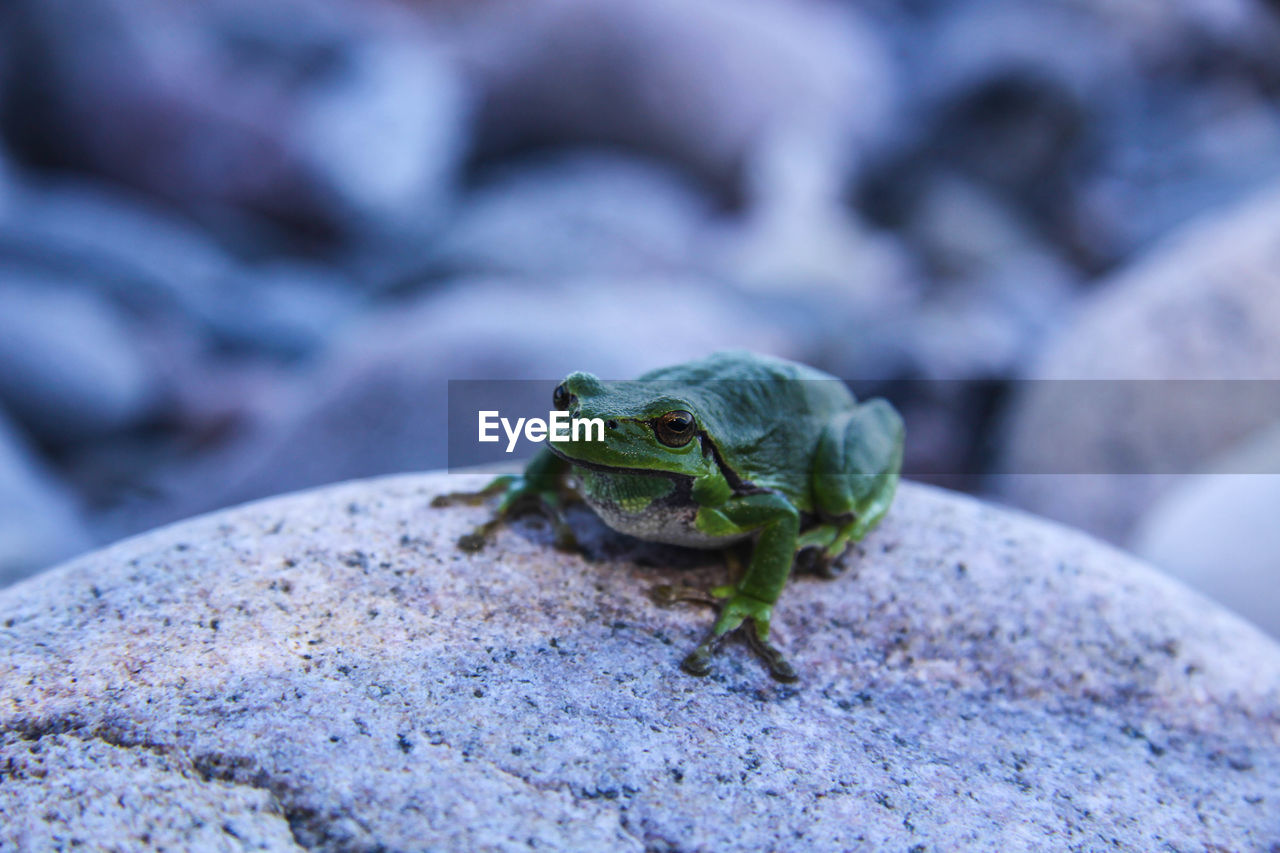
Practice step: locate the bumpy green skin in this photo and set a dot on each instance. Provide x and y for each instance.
(783, 454)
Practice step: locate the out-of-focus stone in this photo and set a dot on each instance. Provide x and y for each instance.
(1217, 531)
(996, 290)
(70, 364)
(1205, 305)
(386, 132)
(376, 403)
(705, 85)
(143, 255)
(341, 118)
(1108, 123)
(165, 268)
(283, 309)
(1019, 99)
(40, 522)
(1189, 31)
(980, 680)
(798, 237)
(6, 183)
(1196, 149)
(583, 213)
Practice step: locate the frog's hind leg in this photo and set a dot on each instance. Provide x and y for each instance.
(856, 473)
(820, 548)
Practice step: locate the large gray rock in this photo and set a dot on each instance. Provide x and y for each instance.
(105, 793)
(1204, 305)
(980, 680)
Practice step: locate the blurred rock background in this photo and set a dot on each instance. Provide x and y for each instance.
(244, 246)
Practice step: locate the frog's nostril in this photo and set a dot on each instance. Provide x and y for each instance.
(611, 424)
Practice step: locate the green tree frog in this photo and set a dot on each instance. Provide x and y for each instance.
(733, 447)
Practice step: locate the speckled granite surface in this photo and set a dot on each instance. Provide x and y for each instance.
(326, 670)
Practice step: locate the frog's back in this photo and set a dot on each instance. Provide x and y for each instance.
(736, 365)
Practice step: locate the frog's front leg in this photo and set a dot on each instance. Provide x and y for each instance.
(751, 599)
(541, 487)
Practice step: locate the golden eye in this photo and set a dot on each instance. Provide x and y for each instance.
(675, 429)
(561, 398)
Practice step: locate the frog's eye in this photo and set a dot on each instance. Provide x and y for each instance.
(674, 429)
(561, 398)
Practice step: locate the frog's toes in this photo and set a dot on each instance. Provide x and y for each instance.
(455, 498)
(772, 656)
(821, 562)
(698, 661)
(472, 498)
(783, 671)
(829, 568)
(665, 595)
(750, 615)
(811, 560)
(476, 539)
(565, 539)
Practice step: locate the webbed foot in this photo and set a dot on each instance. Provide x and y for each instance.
(820, 562)
(665, 595)
(519, 496)
(750, 614)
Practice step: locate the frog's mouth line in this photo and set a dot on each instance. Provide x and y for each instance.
(618, 469)
(739, 485)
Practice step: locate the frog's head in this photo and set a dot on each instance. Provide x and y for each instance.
(644, 429)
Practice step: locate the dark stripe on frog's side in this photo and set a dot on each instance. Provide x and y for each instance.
(739, 485)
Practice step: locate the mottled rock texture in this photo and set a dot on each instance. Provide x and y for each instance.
(329, 664)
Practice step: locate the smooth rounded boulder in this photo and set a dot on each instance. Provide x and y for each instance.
(327, 670)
